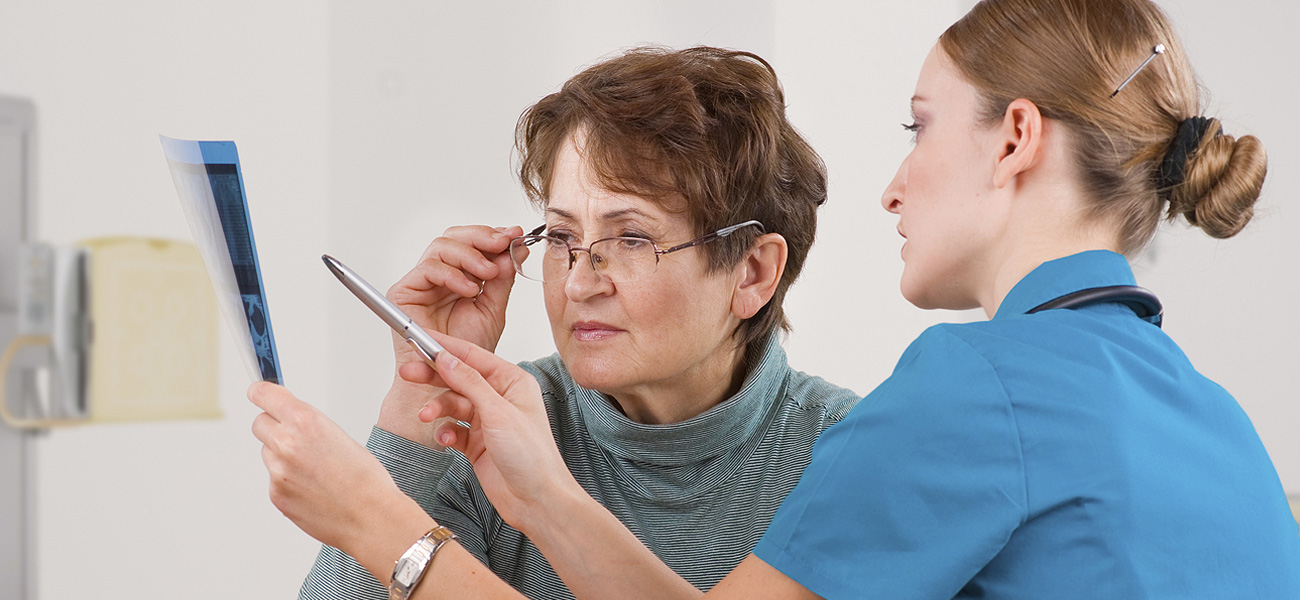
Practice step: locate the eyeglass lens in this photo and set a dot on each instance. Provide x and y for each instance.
(544, 258)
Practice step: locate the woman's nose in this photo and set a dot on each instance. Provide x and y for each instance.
(584, 281)
(892, 199)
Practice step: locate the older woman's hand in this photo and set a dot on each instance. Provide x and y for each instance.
(460, 287)
(509, 441)
(321, 479)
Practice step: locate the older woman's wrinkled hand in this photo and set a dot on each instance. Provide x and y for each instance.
(460, 287)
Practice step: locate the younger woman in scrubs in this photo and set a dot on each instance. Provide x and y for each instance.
(1059, 453)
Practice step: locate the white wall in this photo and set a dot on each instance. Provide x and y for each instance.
(350, 111)
(175, 509)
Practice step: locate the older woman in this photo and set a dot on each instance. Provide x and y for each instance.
(679, 207)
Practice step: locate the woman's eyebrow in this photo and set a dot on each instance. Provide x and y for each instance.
(608, 215)
(625, 212)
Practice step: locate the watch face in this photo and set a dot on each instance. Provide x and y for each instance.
(406, 572)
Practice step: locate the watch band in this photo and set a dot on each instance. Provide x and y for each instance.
(410, 568)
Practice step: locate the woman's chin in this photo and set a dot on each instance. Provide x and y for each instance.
(924, 297)
(597, 374)
(916, 295)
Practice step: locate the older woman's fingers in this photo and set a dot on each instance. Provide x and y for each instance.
(462, 259)
(499, 286)
(448, 404)
(420, 372)
(452, 434)
(464, 276)
(481, 237)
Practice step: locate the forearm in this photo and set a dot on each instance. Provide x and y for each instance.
(453, 573)
(586, 544)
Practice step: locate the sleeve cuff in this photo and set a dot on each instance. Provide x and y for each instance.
(415, 468)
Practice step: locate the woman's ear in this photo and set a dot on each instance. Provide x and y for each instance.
(758, 275)
(1020, 136)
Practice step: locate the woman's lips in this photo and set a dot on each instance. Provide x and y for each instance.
(591, 331)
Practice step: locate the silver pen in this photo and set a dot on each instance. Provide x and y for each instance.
(414, 335)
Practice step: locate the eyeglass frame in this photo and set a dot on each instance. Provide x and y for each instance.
(573, 250)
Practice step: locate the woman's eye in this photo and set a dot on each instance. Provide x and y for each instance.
(562, 235)
(914, 128)
(630, 242)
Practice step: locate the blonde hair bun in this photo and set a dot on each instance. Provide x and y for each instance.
(1222, 180)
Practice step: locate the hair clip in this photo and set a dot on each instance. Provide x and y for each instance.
(1159, 49)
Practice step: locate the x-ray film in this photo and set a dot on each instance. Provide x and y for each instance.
(211, 190)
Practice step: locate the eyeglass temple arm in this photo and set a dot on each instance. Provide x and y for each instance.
(721, 233)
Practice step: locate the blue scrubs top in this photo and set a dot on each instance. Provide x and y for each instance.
(1064, 454)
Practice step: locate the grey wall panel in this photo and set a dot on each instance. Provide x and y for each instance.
(17, 126)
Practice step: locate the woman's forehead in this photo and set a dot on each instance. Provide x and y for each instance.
(576, 195)
(578, 187)
(941, 89)
(937, 74)
(615, 209)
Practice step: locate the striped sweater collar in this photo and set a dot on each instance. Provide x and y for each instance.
(709, 434)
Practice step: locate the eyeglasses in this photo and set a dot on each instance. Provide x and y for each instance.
(617, 259)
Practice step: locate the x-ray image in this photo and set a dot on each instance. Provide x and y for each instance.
(211, 190)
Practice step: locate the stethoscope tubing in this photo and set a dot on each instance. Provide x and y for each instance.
(1140, 300)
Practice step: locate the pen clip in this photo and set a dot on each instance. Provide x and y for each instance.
(418, 350)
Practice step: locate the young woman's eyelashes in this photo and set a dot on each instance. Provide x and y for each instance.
(914, 128)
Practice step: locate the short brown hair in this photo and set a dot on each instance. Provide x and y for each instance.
(704, 126)
(1068, 57)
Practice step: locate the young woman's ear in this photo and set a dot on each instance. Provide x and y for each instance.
(759, 273)
(1021, 141)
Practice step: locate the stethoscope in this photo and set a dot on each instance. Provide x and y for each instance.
(1140, 300)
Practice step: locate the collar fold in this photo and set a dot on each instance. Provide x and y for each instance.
(1056, 278)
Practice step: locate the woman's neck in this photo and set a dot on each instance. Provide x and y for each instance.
(686, 395)
(1040, 242)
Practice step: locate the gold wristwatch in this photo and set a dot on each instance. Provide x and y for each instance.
(410, 568)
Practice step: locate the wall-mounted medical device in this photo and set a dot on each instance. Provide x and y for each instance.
(52, 317)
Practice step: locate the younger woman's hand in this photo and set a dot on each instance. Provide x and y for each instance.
(509, 441)
(320, 478)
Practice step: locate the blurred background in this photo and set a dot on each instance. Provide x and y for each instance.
(366, 128)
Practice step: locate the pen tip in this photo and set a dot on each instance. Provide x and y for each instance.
(332, 264)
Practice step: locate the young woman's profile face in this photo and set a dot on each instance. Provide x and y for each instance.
(942, 191)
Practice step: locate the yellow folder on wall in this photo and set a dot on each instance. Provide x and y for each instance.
(153, 353)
